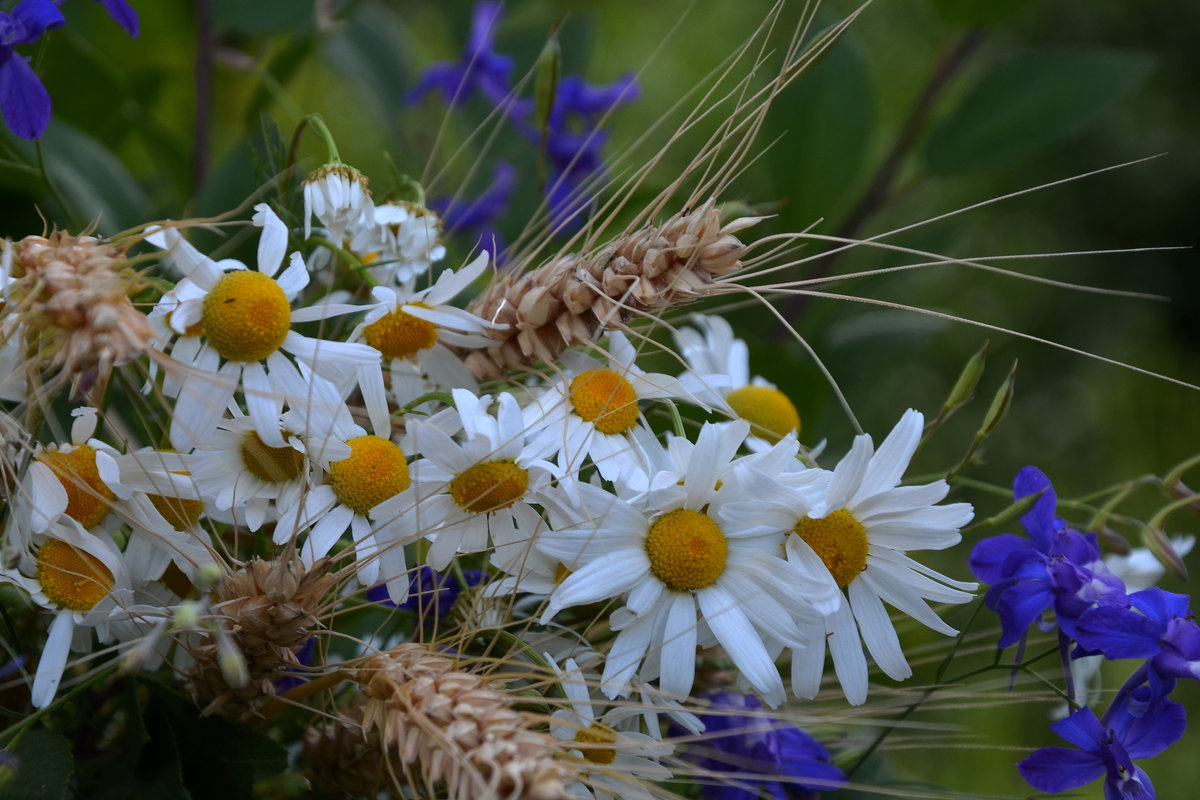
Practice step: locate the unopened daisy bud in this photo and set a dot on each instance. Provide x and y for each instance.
(1162, 548)
(208, 576)
(187, 615)
(1000, 403)
(964, 387)
(337, 195)
(231, 661)
(10, 765)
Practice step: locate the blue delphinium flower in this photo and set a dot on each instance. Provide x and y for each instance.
(430, 594)
(24, 101)
(1056, 568)
(480, 69)
(477, 217)
(1106, 747)
(122, 13)
(758, 755)
(1157, 626)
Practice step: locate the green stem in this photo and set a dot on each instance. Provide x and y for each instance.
(317, 123)
(12, 735)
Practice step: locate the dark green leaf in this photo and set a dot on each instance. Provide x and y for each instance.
(828, 115)
(45, 767)
(219, 758)
(1030, 103)
(94, 183)
(254, 19)
(977, 12)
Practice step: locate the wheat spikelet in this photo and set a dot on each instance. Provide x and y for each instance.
(72, 295)
(458, 730)
(270, 608)
(342, 758)
(573, 299)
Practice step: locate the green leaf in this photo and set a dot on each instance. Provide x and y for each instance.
(45, 767)
(145, 757)
(219, 758)
(828, 116)
(977, 12)
(93, 181)
(1031, 103)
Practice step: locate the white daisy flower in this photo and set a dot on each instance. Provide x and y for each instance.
(83, 580)
(376, 470)
(684, 569)
(401, 245)
(246, 319)
(595, 412)
(722, 361)
(859, 523)
(486, 482)
(615, 763)
(74, 479)
(415, 335)
(337, 195)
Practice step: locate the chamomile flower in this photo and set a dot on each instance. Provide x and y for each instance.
(337, 195)
(859, 523)
(246, 317)
(685, 570)
(617, 763)
(414, 335)
(376, 470)
(595, 412)
(722, 361)
(82, 579)
(401, 245)
(486, 482)
(73, 479)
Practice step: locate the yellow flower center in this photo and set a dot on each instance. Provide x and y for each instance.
(841, 542)
(375, 471)
(605, 399)
(88, 497)
(489, 486)
(399, 334)
(597, 734)
(769, 411)
(271, 464)
(687, 550)
(71, 578)
(180, 512)
(246, 316)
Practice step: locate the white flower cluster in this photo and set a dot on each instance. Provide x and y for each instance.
(560, 488)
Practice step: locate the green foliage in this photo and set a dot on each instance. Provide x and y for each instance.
(45, 768)
(1031, 103)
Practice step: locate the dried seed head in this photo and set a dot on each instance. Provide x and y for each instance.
(71, 294)
(573, 300)
(341, 758)
(271, 609)
(461, 732)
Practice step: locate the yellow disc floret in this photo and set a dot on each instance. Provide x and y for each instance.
(687, 550)
(375, 471)
(605, 399)
(246, 316)
(841, 542)
(399, 334)
(88, 497)
(180, 512)
(769, 411)
(271, 464)
(597, 734)
(489, 486)
(71, 578)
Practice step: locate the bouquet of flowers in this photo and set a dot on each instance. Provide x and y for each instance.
(360, 486)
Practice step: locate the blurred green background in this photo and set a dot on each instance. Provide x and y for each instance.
(967, 100)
